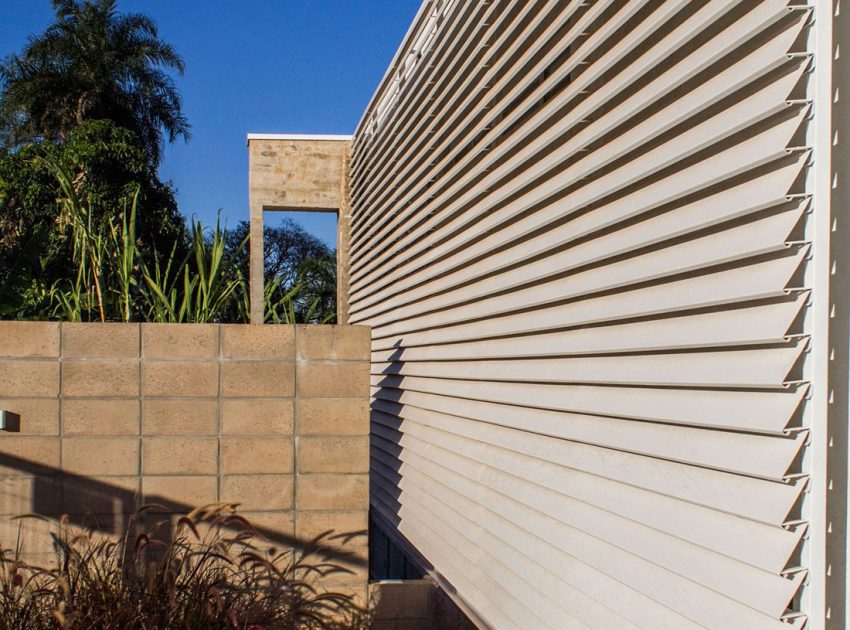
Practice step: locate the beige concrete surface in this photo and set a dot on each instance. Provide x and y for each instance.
(298, 174)
(111, 416)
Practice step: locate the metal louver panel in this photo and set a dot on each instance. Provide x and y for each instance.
(582, 236)
(741, 453)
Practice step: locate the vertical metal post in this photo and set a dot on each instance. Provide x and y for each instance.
(827, 417)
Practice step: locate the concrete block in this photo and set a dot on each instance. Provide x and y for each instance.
(256, 455)
(191, 379)
(334, 343)
(333, 380)
(180, 341)
(241, 341)
(29, 495)
(342, 571)
(29, 339)
(252, 416)
(333, 492)
(179, 456)
(100, 340)
(32, 535)
(356, 594)
(101, 456)
(109, 526)
(115, 378)
(244, 379)
(348, 454)
(410, 599)
(29, 378)
(180, 493)
(100, 495)
(33, 416)
(83, 416)
(309, 525)
(277, 527)
(332, 416)
(162, 416)
(402, 624)
(258, 492)
(28, 456)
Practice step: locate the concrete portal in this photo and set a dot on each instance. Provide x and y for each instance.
(298, 172)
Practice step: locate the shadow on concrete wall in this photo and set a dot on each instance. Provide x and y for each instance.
(105, 508)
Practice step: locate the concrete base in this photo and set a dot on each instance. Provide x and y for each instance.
(414, 605)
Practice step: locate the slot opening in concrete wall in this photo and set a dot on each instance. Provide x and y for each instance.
(300, 266)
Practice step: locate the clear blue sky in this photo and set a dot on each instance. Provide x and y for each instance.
(266, 66)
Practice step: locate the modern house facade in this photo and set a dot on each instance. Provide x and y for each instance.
(601, 248)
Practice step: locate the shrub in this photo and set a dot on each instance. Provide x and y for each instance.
(214, 572)
(110, 278)
(108, 167)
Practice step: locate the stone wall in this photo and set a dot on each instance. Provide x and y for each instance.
(106, 417)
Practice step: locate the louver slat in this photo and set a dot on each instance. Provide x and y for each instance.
(712, 609)
(418, 133)
(762, 324)
(465, 571)
(762, 192)
(760, 500)
(495, 122)
(588, 612)
(581, 235)
(765, 236)
(581, 503)
(760, 456)
(546, 555)
(759, 280)
(670, 555)
(694, 138)
(733, 368)
(735, 410)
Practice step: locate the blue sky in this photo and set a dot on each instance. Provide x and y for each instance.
(266, 66)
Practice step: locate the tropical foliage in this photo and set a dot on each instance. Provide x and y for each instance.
(87, 229)
(300, 272)
(92, 63)
(113, 278)
(94, 94)
(109, 170)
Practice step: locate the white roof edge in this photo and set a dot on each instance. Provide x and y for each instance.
(297, 136)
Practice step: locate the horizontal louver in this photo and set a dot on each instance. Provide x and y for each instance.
(579, 233)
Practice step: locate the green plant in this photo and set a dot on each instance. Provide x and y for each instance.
(200, 289)
(111, 279)
(109, 171)
(123, 243)
(299, 269)
(104, 257)
(215, 572)
(317, 279)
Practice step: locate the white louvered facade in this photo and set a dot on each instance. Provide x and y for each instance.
(592, 239)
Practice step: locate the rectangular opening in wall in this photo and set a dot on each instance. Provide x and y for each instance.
(300, 266)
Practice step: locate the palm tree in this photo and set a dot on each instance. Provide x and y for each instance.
(92, 63)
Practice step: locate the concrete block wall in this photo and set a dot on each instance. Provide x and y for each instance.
(106, 417)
